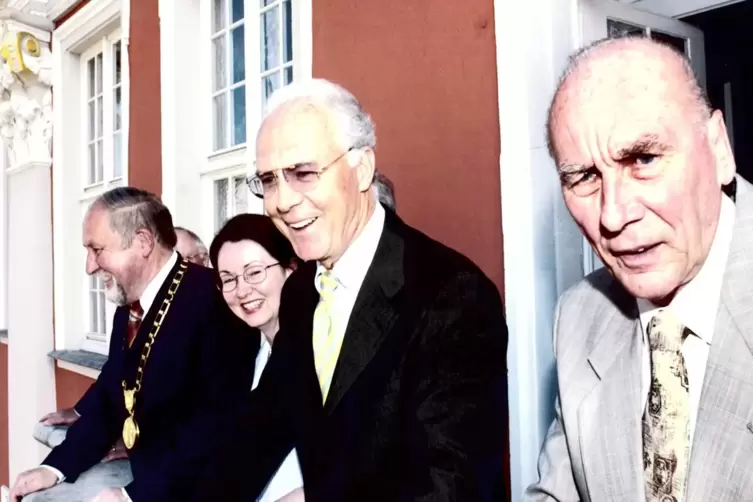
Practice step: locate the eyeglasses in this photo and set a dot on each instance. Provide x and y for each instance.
(253, 274)
(300, 177)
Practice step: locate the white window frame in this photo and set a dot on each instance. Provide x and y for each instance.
(96, 26)
(240, 159)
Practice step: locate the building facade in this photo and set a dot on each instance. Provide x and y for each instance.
(166, 95)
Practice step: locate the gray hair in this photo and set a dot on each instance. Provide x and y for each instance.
(195, 238)
(131, 209)
(354, 125)
(384, 191)
(582, 55)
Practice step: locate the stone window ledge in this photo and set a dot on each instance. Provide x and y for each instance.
(90, 364)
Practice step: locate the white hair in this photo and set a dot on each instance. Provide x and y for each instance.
(354, 126)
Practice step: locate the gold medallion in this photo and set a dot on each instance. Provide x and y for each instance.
(129, 399)
(130, 432)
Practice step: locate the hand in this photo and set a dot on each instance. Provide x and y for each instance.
(111, 495)
(66, 416)
(117, 451)
(31, 481)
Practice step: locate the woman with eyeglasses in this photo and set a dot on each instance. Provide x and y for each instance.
(252, 261)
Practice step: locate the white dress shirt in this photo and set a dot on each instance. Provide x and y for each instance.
(695, 306)
(288, 476)
(350, 270)
(146, 301)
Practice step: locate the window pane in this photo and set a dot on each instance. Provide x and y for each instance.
(102, 314)
(239, 115)
(116, 63)
(220, 203)
(237, 10)
(92, 163)
(100, 117)
(93, 282)
(267, 2)
(92, 115)
(241, 195)
(100, 165)
(617, 29)
(671, 40)
(239, 62)
(116, 110)
(287, 32)
(220, 121)
(117, 156)
(270, 39)
(269, 85)
(93, 312)
(99, 73)
(90, 71)
(218, 15)
(288, 75)
(220, 55)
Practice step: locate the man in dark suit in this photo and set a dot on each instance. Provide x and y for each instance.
(171, 369)
(388, 372)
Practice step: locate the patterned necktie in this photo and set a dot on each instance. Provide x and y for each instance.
(665, 422)
(326, 342)
(135, 315)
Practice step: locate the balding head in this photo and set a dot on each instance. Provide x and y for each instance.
(631, 65)
(642, 162)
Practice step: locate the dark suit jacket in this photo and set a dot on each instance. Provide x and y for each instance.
(417, 410)
(200, 365)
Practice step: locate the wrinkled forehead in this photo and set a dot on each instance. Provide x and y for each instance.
(294, 133)
(613, 113)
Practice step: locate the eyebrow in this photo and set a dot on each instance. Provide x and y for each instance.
(645, 143)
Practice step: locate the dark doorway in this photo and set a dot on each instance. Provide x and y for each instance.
(728, 38)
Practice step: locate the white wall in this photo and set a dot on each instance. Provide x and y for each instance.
(3, 241)
(543, 248)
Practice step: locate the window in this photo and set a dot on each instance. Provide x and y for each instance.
(104, 134)
(253, 47)
(230, 26)
(97, 309)
(103, 106)
(229, 203)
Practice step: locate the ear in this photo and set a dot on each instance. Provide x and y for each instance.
(145, 242)
(365, 165)
(721, 148)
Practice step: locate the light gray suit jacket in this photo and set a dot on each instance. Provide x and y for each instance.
(593, 450)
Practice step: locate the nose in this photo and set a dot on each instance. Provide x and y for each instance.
(91, 262)
(243, 289)
(286, 197)
(619, 204)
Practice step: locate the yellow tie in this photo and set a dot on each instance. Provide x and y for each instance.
(327, 342)
(665, 423)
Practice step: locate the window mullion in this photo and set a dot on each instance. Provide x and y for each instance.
(108, 111)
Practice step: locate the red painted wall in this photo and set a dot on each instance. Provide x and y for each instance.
(145, 132)
(70, 387)
(426, 71)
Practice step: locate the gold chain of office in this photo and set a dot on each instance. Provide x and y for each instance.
(130, 427)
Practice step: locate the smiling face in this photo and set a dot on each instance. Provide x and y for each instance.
(641, 166)
(119, 267)
(320, 223)
(257, 304)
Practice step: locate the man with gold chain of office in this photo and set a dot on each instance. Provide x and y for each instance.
(171, 373)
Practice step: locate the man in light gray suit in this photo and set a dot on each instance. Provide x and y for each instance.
(654, 362)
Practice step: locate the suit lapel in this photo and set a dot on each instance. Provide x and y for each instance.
(723, 435)
(609, 417)
(373, 314)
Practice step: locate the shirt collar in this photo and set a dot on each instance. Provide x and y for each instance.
(151, 290)
(696, 304)
(350, 270)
